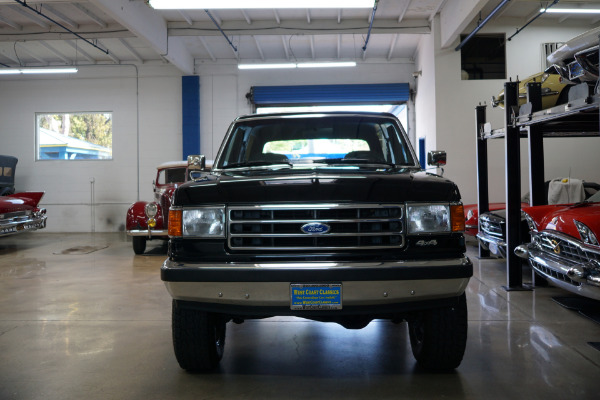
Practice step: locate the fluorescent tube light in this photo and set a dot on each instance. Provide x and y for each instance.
(266, 66)
(327, 64)
(15, 71)
(249, 4)
(298, 65)
(571, 10)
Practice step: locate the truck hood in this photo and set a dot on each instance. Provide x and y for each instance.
(368, 185)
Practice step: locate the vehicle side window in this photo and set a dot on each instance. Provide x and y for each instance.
(161, 180)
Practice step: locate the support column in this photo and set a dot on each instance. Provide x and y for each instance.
(190, 115)
(483, 201)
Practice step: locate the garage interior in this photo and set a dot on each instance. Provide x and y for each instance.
(82, 316)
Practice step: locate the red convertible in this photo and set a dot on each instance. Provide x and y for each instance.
(149, 220)
(564, 246)
(19, 212)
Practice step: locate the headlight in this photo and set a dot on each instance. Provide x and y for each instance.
(587, 236)
(203, 222)
(151, 209)
(428, 218)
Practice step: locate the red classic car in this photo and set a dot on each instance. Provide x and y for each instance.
(564, 246)
(472, 216)
(149, 220)
(19, 212)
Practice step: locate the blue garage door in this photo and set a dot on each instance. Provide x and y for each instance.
(383, 93)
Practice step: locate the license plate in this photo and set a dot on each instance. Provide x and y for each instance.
(316, 296)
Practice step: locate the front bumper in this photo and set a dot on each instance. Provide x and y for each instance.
(264, 288)
(11, 226)
(579, 278)
(149, 233)
(495, 245)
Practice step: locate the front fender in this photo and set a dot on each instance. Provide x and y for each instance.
(137, 219)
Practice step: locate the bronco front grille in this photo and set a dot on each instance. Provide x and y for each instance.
(364, 226)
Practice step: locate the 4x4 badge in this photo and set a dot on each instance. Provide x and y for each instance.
(315, 228)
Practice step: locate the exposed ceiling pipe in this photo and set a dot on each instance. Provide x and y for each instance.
(370, 25)
(532, 19)
(481, 24)
(24, 4)
(220, 30)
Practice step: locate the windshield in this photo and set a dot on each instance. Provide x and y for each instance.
(337, 139)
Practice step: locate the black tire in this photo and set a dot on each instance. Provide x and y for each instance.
(198, 338)
(438, 337)
(139, 244)
(563, 97)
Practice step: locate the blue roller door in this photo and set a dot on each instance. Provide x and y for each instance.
(381, 93)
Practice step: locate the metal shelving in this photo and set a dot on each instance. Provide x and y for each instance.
(580, 117)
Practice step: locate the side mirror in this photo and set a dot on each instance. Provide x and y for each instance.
(196, 162)
(436, 158)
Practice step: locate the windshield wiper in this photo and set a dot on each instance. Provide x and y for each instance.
(352, 161)
(256, 164)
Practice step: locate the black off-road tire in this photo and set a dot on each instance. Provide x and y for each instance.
(139, 244)
(438, 337)
(198, 338)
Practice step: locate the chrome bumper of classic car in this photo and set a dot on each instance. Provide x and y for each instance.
(581, 278)
(270, 284)
(23, 223)
(148, 232)
(494, 244)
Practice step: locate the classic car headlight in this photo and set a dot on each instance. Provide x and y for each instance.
(435, 218)
(151, 209)
(208, 222)
(587, 236)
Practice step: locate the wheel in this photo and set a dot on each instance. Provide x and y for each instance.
(198, 338)
(563, 97)
(139, 244)
(438, 337)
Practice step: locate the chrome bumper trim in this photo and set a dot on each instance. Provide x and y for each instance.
(584, 288)
(148, 233)
(16, 225)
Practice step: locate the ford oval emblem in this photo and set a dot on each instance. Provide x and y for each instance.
(315, 228)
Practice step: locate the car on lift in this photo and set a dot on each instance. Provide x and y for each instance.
(555, 89)
(577, 59)
(564, 247)
(19, 212)
(148, 220)
(492, 224)
(322, 216)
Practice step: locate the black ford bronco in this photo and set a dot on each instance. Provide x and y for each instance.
(327, 217)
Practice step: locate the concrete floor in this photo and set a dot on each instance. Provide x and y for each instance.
(76, 324)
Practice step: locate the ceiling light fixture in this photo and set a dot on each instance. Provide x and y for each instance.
(18, 71)
(298, 65)
(571, 10)
(247, 4)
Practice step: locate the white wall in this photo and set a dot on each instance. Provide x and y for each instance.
(146, 108)
(453, 102)
(223, 90)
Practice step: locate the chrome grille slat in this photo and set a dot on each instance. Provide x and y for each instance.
(570, 250)
(364, 226)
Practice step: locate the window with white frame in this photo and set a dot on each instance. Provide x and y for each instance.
(74, 136)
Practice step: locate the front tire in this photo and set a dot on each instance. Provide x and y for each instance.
(139, 244)
(198, 338)
(438, 337)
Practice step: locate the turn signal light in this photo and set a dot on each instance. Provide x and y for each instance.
(175, 222)
(457, 218)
